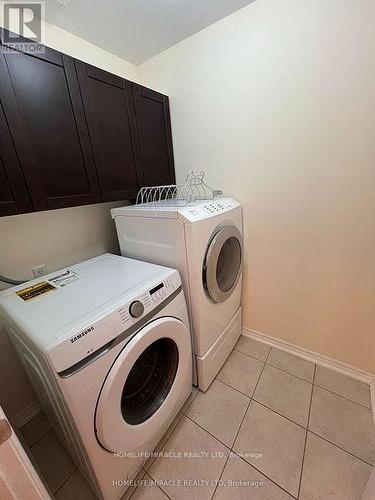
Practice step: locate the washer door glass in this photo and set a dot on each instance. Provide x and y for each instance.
(223, 263)
(144, 385)
(149, 381)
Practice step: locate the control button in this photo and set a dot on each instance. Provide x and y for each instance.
(136, 309)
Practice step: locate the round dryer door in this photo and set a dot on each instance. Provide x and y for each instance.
(223, 263)
(144, 385)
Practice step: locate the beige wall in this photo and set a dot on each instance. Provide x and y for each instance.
(277, 104)
(56, 238)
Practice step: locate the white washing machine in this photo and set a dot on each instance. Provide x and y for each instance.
(107, 346)
(204, 242)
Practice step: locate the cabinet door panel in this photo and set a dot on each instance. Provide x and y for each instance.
(154, 134)
(14, 197)
(49, 131)
(106, 103)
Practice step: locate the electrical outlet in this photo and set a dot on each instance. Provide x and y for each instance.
(39, 271)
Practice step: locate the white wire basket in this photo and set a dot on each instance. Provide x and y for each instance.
(194, 189)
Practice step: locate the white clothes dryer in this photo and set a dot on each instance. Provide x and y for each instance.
(107, 346)
(204, 241)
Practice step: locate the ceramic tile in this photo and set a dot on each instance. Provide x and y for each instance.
(191, 455)
(241, 481)
(35, 429)
(344, 386)
(253, 348)
(291, 364)
(53, 461)
(75, 487)
(276, 443)
(148, 490)
(330, 473)
(344, 423)
(285, 394)
(220, 411)
(241, 372)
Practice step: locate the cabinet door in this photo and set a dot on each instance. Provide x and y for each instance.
(155, 152)
(108, 107)
(14, 197)
(43, 107)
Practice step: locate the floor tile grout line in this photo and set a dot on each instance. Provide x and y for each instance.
(39, 438)
(289, 373)
(249, 355)
(168, 438)
(253, 398)
(263, 474)
(299, 378)
(140, 479)
(231, 450)
(234, 388)
(340, 448)
(166, 441)
(280, 414)
(344, 397)
(160, 488)
(190, 402)
(221, 475)
(305, 444)
(248, 404)
(314, 375)
(208, 432)
(65, 481)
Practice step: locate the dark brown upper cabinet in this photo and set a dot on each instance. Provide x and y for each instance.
(73, 134)
(109, 112)
(154, 135)
(44, 110)
(14, 197)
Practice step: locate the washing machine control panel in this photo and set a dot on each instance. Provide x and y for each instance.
(131, 312)
(86, 339)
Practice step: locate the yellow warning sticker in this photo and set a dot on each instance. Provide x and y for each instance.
(36, 290)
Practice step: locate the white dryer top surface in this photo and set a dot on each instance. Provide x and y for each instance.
(87, 290)
(193, 212)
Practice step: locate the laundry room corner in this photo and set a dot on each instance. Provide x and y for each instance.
(33, 239)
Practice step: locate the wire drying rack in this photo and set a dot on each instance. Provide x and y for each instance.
(194, 189)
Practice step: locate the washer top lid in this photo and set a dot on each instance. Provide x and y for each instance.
(92, 288)
(190, 213)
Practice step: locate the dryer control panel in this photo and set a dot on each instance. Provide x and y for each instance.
(205, 209)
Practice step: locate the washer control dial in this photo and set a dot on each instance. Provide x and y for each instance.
(136, 309)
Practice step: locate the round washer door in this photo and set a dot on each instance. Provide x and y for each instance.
(223, 263)
(143, 386)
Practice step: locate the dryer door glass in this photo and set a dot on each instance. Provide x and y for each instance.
(223, 263)
(149, 381)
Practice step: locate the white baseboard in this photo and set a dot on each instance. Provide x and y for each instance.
(22, 417)
(319, 359)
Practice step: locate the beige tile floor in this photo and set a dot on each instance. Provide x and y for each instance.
(272, 426)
